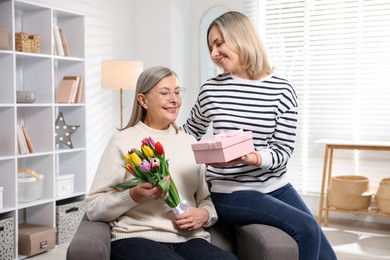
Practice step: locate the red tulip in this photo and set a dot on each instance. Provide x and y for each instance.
(130, 169)
(159, 148)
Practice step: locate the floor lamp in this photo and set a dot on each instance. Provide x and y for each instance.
(120, 74)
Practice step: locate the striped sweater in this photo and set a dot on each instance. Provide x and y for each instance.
(267, 107)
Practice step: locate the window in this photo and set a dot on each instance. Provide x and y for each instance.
(337, 56)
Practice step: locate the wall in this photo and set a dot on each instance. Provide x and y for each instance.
(169, 35)
(98, 45)
(157, 32)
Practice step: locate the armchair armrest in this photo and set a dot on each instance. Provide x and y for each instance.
(92, 241)
(223, 236)
(259, 241)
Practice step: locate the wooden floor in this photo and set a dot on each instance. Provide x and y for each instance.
(351, 241)
(359, 240)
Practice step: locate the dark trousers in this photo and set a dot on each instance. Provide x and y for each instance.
(283, 209)
(140, 248)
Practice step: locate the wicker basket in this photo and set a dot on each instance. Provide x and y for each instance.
(349, 192)
(27, 43)
(383, 195)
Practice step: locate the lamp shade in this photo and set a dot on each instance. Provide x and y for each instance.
(120, 74)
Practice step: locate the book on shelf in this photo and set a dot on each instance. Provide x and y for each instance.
(24, 141)
(65, 91)
(64, 42)
(70, 89)
(78, 91)
(58, 42)
(22, 144)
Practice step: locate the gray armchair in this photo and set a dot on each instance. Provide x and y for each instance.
(92, 241)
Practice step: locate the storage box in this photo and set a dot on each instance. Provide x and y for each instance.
(7, 238)
(223, 147)
(29, 185)
(64, 185)
(35, 239)
(4, 38)
(68, 218)
(27, 43)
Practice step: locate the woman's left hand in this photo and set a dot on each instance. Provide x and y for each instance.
(241, 160)
(252, 159)
(193, 219)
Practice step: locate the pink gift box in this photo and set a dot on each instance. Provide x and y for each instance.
(223, 147)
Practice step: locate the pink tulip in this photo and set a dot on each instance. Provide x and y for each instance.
(145, 166)
(155, 163)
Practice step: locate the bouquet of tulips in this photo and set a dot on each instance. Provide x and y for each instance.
(150, 165)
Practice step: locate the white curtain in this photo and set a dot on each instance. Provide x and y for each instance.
(337, 55)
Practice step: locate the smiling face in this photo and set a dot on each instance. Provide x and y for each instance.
(222, 55)
(161, 104)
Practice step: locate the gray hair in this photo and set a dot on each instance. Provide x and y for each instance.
(147, 80)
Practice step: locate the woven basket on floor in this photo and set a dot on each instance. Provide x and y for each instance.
(382, 196)
(349, 192)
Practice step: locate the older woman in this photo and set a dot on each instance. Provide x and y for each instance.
(141, 225)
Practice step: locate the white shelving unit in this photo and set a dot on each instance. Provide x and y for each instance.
(39, 72)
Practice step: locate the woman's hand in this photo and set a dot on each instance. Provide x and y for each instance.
(146, 190)
(252, 159)
(193, 219)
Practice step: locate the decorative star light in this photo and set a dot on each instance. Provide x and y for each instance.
(63, 131)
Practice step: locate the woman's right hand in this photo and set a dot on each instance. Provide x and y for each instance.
(145, 190)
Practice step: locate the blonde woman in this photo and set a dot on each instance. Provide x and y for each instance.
(250, 96)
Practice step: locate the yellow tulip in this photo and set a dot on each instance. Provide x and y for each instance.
(147, 151)
(134, 158)
(127, 157)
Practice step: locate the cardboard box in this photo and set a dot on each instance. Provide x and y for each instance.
(223, 147)
(7, 238)
(64, 185)
(4, 38)
(35, 239)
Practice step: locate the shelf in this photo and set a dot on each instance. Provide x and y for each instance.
(330, 146)
(39, 73)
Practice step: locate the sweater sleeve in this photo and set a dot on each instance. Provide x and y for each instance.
(203, 198)
(104, 202)
(197, 123)
(281, 146)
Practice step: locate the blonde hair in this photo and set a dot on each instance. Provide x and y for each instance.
(147, 80)
(241, 36)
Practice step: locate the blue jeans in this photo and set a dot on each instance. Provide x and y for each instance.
(141, 248)
(283, 209)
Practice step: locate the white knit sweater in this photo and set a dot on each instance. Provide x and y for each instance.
(150, 219)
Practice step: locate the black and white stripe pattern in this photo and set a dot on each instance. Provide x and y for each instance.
(267, 107)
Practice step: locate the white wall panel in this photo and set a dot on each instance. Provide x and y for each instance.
(98, 46)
